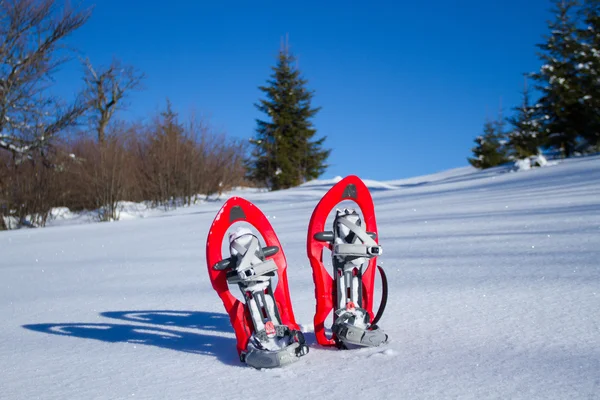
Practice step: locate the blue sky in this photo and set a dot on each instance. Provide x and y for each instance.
(404, 86)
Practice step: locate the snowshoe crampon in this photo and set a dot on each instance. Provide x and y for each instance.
(354, 248)
(266, 331)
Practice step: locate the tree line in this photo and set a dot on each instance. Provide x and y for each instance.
(80, 155)
(565, 118)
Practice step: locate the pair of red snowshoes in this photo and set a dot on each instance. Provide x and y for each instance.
(266, 331)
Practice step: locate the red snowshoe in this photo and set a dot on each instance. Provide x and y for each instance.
(266, 331)
(354, 248)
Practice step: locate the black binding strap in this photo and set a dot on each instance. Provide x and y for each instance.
(384, 296)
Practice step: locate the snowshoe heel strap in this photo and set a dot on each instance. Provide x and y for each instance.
(259, 358)
(350, 334)
(271, 359)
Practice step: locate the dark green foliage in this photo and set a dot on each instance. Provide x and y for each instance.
(284, 151)
(525, 138)
(588, 66)
(566, 117)
(490, 150)
(559, 82)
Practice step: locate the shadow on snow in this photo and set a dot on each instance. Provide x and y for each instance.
(180, 319)
(168, 336)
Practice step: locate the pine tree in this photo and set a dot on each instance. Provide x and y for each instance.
(558, 81)
(588, 66)
(284, 152)
(525, 137)
(490, 150)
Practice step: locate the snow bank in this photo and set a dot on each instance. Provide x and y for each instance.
(371, 184)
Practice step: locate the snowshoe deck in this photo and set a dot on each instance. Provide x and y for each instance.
(354, 260)
(266, 331)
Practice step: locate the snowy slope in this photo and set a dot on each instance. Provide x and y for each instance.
(494, 293)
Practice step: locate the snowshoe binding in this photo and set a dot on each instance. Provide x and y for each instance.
(354, 249)
(267, 334)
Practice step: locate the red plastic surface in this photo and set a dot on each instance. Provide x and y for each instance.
(240, 319)
(325, 291)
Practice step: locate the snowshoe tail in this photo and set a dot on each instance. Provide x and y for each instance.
(354, 247)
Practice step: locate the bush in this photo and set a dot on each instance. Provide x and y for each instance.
(163, 162)
(29, 188)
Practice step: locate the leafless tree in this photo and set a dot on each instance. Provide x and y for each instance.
(106, 90)
(31, 35)
(100, 177)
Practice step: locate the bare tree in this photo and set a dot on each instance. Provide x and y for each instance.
(101, 176)
(31, 32)
(106, 90)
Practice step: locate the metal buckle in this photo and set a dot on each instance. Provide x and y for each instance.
(374, 250)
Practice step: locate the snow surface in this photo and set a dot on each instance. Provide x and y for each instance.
(494, 293)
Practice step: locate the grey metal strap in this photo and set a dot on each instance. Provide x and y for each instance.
(251, 267)
(254, 273)
(248, 254)
(368, 248)
(359, 250)
(358, 231)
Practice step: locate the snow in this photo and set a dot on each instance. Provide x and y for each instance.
(13, 148)
(371, 184)
(522, 164)
(587, 65)
(494, 292)
(532, 161)
(127, 210)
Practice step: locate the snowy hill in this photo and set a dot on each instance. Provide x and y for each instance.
(494, 293)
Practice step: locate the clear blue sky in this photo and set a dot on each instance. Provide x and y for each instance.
(404, 86)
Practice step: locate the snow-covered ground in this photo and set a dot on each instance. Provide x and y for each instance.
(494, 293)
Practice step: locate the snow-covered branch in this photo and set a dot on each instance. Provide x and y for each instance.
(29, 42)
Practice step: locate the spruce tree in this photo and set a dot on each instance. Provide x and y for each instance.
(285, 152)
(525, 137)
(558, 80)
(489, 151)
(588, 66)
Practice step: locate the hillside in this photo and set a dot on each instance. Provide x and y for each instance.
(494, 293)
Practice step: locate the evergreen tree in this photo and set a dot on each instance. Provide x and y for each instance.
(490, 150)
(285, 153)
(558, 80)
(588, 66)
(525, 137)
